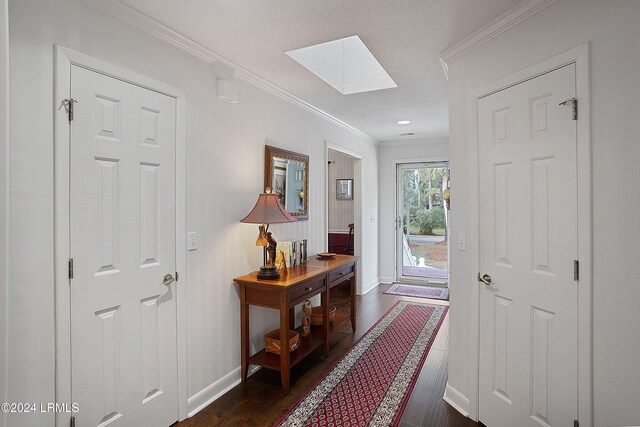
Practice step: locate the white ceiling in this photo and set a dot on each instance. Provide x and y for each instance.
(405, 36)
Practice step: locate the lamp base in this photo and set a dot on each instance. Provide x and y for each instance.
(268, 273)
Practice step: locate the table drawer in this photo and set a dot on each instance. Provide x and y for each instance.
(341, 273)
(306, 290)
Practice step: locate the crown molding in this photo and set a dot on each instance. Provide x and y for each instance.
(141, 21)
(502, 23)
(416, 141)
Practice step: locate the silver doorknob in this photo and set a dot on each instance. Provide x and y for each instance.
(486, 279)
(168, 279)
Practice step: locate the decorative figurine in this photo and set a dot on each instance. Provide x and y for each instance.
(271, 250)
(306, 318)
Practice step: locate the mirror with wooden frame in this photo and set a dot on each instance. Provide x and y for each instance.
(287, 174)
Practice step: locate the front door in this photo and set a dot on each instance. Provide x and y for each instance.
(123, 199)
(422, 243)
(528, 235)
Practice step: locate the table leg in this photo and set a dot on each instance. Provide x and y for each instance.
(292, 318)
(353, 303)
(325, 321)
(284, 341)
(244, 339)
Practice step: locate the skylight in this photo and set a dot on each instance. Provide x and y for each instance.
(345, 64)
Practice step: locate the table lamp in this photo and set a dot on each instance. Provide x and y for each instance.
(268, 210)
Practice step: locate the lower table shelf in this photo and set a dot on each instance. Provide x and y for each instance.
(307, 345)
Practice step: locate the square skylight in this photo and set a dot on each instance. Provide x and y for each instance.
(345, 64)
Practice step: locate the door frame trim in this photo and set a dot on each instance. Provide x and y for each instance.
(580, 56)
(64, 58)
(398, 276)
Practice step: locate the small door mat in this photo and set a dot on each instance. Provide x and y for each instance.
(419, 291)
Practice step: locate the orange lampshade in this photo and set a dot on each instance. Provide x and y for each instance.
(268, 210)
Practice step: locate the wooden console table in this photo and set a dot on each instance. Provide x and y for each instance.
(295, 286)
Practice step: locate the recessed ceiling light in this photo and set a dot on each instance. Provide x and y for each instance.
(404, 122)
(345, 64)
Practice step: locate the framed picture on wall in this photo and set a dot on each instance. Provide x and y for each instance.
(344, 189)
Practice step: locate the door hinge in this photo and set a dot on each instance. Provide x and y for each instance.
(70, 268)
(177, 276)
(574, 107)
(68, 105)
(72, 421)
(576, 270)
(576, 423)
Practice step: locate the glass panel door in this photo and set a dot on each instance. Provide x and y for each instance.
(422, 223)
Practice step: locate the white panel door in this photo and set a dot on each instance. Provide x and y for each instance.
(528, 235)
(123, 318)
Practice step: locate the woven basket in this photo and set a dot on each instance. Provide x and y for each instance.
(272, 341)
(316, 315)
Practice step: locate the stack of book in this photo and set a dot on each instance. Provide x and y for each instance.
(295, 252)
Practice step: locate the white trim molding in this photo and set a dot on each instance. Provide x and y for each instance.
(213, 391)
(579, 56)
(502, 23)
(370, 286)
(456, 399)
(63, 60)
(161, 31)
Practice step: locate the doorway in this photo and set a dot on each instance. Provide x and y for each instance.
(341, 202)
(119, 176)
(422, 223)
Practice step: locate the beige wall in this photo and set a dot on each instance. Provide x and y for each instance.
(612, 28)
(219, 192)
(4, 248)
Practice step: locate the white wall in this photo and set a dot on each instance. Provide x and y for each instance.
(219, 192)
(612, 28)
(4, 250)
(341, 212)
(392, 153)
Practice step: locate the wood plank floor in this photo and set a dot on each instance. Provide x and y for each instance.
(260, 402)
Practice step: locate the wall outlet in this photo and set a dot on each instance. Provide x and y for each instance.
(462, 242)
(192, 241)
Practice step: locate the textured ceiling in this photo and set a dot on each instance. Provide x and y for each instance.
(405, 36)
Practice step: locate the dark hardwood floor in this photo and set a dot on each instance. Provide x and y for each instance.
(260, 402)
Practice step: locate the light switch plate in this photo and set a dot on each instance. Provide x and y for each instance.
(462, 242)
(192, 241)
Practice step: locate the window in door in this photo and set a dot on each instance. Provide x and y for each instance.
(423, 222)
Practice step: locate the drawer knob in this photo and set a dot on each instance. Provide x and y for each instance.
(308, 289)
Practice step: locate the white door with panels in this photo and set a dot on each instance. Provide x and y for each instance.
(122, 242)
(528, 244)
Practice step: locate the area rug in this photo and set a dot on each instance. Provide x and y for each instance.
(371, 383)
(432, 292)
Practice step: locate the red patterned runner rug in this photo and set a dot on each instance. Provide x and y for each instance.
(371, 383)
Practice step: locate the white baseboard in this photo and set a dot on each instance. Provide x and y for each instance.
(370, 286)
(388, 280)
(456, 399)
(207, 395)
